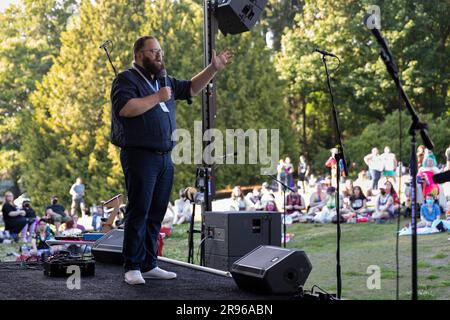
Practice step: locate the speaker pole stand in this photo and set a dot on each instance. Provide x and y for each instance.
(210, 29)
(208, 97)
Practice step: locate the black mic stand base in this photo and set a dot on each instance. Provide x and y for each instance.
(311, 295)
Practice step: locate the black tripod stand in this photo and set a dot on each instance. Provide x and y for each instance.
(201, 197)
(201, 183)
(284, 207)
(191, 234)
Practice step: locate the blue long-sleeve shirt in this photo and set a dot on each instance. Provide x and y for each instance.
(430, 216)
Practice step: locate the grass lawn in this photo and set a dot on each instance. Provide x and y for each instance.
(362, 245)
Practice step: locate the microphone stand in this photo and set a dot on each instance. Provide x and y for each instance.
(105, 47)
(340, 158)
(416, 125)
(284, 207)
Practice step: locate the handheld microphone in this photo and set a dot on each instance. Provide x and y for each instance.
(325, 53)
(104, 44)
(162, 77)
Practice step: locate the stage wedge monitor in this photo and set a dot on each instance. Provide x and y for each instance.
(237, 16)
(108, 249)
(274, 270)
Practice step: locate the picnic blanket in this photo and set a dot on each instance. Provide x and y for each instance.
(407, 231)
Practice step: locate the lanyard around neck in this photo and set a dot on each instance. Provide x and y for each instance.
(146, 80)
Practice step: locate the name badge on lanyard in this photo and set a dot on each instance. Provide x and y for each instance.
(161, 104)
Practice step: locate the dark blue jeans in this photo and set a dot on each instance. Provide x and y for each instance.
(148, 179)
(375, 175)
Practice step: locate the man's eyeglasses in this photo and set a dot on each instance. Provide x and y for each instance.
(155, 51)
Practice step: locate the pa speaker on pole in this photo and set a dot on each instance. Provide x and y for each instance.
(237, 16)
(270, 269)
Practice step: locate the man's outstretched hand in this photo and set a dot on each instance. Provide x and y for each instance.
(218, 62)
(221, 60)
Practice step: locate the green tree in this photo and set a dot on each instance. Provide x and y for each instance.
(30, 33)
(387, 133)
(69, 132)
(277, 16)
(364, 92)
(69, 135)
(250, 96)
(243, 99)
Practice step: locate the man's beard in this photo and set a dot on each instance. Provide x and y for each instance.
(153, 67)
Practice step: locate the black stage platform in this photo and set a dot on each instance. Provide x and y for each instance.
(21, 283)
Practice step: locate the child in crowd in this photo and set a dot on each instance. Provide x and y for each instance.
(429, 212)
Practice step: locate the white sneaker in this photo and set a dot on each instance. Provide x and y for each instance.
(158, 273)
(134, 277)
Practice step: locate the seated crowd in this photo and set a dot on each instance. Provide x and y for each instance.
(354, 205)
(21, 222)
(375, 204)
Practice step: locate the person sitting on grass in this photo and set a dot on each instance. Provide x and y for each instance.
(237, 200)
(14, 218)
(73, 227)
(357, 206)
(265, 189)
(429, 212)
(294, 204)
(183, 212)
(169, 217)
(384, 206)
(329, 210)
(316, 201)
(56, 214)
(38, 242)
(348, 188)
(270, 204)
(396, 200)
(426, 173)
(253, 200)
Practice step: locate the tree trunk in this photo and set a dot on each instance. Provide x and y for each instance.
(304, 137)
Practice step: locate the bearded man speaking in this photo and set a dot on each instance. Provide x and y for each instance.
(142, 122)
